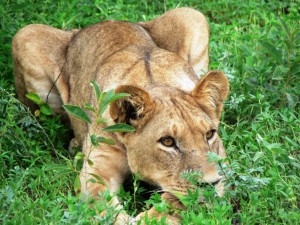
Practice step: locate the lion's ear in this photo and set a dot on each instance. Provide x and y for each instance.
(134, 109)
(211, 91)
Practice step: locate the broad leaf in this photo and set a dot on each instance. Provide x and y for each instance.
(119, 127)
(285, 27)
(34, 98)
(46, 109)
(57, 167)
(90, 162)
(274, 52)
(292, 100)
(95, 140)
(109, 98)
(92, 180)
(77, 112)
(89, 107)
(77, 185)
(105, 101)
(96, 89)
(252, 81)
(295, 68)
(101, 120)
(257, 156)
(118, 96)
(79, 156)
(99, 179)
(106, 140)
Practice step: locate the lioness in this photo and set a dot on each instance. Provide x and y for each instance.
(176, 115)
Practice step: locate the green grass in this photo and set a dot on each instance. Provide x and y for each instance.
(256, 43)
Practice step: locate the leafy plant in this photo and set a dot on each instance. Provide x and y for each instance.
(44, 107)
(103, 99)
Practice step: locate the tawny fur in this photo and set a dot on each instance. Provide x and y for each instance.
(158, 63)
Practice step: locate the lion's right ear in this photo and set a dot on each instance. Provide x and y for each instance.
(134, 109)
(211, 91)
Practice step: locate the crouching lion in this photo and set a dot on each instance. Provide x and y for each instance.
(175, 114)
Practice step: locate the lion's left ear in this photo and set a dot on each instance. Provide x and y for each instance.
(135, 109)
(211, 91)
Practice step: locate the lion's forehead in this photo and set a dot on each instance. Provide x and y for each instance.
(181, 114)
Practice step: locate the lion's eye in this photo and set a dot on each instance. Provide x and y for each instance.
(210, 134)
(167, 141)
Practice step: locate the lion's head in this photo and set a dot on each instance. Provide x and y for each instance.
(175, 130)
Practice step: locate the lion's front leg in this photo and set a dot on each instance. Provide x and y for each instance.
(108, 163)
(184, 31)
(105, 167)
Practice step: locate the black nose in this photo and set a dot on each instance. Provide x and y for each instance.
(207, 184)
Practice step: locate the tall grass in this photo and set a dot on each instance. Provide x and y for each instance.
(256, 43)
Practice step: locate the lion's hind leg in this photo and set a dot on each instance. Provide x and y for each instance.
(184, 31)
(39, 53)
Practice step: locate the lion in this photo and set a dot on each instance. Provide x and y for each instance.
(175, 114)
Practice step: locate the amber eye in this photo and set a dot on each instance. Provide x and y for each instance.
(167, 141)
(210, 134)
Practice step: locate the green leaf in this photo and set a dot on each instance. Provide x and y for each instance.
(257, 156)
(101, 120)
(272, 50)
(96, 89)
(251, 81)
(34, 98)
(95, 140)
(279, 72)
(77, 112)
(295, 68)
(57, 167)
(105, 101)
(46, 109)
(285, 27)
(92, 180)
(295, 164)
(79, 156)
(106, 140)
(213, 157)
(292, 100)
(77, 185)
(89, 107)
(119, 127)
(270, 87)
(118, 96)
(99, 179)
(109, 98)
(90, 162)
